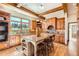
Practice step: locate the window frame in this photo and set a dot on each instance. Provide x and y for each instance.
(21, 30)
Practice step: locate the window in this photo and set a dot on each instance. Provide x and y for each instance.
(25, 25)
(19, 25)
(15, 19)
(15, 25)
(25, 20)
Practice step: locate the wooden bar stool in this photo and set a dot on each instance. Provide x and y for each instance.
(51, 40)
(41, 49)
(49, 44)
(47, 47)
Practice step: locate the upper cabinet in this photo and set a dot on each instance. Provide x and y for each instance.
(60, 24)
(52, 21)
(33, 25)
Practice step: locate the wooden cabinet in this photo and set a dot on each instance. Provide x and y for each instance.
(52, 21)
(33, 25)
(14, 40)
(59, 38)
(60, 28)
(60, 24)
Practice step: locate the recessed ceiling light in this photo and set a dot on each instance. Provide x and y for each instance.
(42, 6)
(19, 5)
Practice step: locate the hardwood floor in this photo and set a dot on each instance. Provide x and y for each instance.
(9, 52)
(59, 50)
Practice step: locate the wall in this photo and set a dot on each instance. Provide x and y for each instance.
(70, 17)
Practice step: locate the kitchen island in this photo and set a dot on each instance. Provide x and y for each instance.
(34, 40)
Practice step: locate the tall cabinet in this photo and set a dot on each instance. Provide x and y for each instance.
(60, 28)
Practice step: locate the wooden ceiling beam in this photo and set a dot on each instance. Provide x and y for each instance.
(52, 10)
(61, 18)
(25, 9)
(65, 7)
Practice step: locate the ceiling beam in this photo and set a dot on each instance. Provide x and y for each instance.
(61, 18)
(26, 10)
(65, 7)
(52, 10)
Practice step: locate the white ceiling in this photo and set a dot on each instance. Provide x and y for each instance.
(36, 7)
(58, 14)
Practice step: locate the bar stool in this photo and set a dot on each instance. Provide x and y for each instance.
(49, 44)
(46, 41)
(41, 49)
(47, 47)
(51, 40)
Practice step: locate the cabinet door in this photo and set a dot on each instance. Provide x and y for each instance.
(60, 27)
(34, 25)
(62, 39)
(60, 24)
(52, 21)
(14, 40)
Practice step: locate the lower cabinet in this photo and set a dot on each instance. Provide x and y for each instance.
(60, 38)
(14, 40)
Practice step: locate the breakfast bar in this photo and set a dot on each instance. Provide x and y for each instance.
(35, 41)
